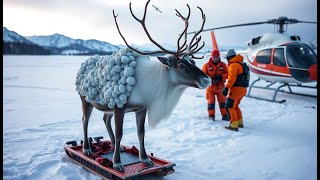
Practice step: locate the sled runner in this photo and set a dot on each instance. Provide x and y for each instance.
(100, 161)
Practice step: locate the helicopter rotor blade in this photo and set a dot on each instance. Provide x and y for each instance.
(283, 20)
(230, 26)
(306, 22)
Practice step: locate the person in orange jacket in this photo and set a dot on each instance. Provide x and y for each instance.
(218, 72)
(235, 88)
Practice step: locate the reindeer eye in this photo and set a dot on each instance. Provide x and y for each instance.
(182, 67)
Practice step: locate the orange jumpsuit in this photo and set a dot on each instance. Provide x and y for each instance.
(235, 93)
(212, 69)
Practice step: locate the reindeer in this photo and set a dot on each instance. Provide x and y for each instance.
(158, 89)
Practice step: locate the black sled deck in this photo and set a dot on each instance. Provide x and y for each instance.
(100, 161)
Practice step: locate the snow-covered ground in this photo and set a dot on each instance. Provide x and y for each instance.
(42, 111)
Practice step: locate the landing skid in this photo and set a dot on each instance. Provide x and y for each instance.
(276, 90)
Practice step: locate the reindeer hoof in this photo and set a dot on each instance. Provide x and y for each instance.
(87, 151)
(147, 162)
(118, 166)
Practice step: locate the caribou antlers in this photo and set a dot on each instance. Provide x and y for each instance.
(183, 50)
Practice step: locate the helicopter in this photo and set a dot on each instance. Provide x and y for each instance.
(157, 9)
(278, 57)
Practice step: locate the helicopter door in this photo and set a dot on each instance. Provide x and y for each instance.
(279, 63)
(264, 59)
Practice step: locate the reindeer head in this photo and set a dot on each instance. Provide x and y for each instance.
(180, 63)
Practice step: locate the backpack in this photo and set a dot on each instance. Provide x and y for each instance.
(243, 78)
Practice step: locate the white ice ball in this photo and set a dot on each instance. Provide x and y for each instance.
(120, 105)
(116, 77)
(133, 64)
(114, 83)
(109, 77)
(135, 54)
(94, 91)
(111, 62)
(131, 58)
(110, 105)
(122, 88)
(107, 96)
(108, 69)
(116, 99)
(131, 81)
(114, 94)
(123, 80)
(118, 60)
(129, 88)
(116, 89)
(112, 102)
(103, 82)
(123, 97)
(113, 72)
(109, 84)
(125, 59)
(121, 73)
(129, 71)
(117, 68)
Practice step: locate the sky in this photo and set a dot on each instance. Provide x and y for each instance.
(81, 19)
(42, 111)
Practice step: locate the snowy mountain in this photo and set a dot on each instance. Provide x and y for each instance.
(53, 44)
(55, 40)
(61, 44)
(13, 43)
(65, 45)
(11, 36)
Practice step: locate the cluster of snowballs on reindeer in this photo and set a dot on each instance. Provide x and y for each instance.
(108, 79)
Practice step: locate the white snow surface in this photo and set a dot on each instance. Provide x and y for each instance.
(42, 111)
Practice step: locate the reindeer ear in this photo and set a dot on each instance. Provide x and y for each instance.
(165, 60)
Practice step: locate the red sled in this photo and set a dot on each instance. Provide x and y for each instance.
(100, 161)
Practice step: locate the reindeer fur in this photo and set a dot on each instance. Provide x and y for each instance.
(155, 89)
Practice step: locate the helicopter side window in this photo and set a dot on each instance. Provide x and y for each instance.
(264, 56)
(278, 57)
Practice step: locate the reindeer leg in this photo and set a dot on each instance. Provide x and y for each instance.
(86, 110)
(107, 122)
(118, 122)
(140, 119)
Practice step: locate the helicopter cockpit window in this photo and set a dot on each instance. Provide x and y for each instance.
(264, 56)
(278, 57)
(300, 55)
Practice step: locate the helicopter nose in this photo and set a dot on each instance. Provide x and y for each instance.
(313, 72)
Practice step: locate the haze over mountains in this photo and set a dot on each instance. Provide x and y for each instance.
(58, 44)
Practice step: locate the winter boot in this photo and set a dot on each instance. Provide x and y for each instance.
(233, 126)
(240, 123)
(211, 117)
(226, 117)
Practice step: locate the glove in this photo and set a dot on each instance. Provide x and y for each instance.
(225, 91)
(213, 80)
(218, 77)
